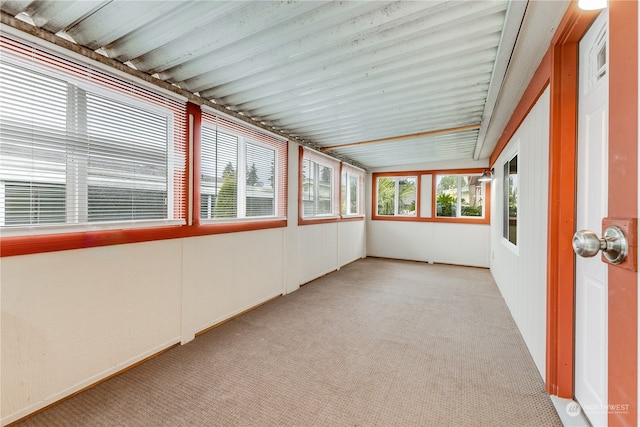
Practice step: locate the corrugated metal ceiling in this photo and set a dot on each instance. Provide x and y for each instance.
(326, 73)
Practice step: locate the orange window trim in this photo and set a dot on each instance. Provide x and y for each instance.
(34, 244)
(417, 218)
(319, 220)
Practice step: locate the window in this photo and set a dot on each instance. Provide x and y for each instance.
(396, 196)
(352, 182)
(81, 147)
(510, 201)
(459, 196)
(320, 179)
(455, 196)
(242, 172)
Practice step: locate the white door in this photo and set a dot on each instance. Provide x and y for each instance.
(591, 273)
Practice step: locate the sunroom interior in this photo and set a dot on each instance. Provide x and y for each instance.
(360, 129)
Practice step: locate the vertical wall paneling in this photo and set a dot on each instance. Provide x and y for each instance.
(521, 272)
(83, 315)
(228, 274)
(351, 241)
(72, 318)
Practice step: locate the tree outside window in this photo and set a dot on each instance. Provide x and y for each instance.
(226, 158)
(459, 196)
(397, 196)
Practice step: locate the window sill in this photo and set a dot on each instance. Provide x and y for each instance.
(26, 231)
(226, 221)
(41, 243)
(479, 221)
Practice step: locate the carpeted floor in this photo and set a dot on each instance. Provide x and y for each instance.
(379, 343)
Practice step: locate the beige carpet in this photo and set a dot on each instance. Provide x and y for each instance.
(379, 343)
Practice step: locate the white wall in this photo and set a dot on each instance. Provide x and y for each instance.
(521, 272)
(71, 318)
(447, 243)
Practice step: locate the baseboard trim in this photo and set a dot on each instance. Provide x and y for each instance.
(29, 412)
(571, 416)
(233, 316)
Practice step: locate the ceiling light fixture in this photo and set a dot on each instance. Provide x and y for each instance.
(592, 4)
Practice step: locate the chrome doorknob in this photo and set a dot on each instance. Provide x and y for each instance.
(613, 244)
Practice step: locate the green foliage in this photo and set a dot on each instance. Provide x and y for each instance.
(227, 200)
(445, 203)
(229, 171)
(471, 210)
(448, 182)
(386, 196)
(252, 175)
(513, 198)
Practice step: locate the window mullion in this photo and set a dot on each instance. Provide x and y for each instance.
(77, 156)
(316, 188)
(241, 197)
(396, 192)
(459, 198)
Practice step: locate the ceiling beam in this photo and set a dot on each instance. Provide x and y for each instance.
(401, 137)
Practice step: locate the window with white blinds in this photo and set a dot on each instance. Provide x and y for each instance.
(81, 147)
(352, 184)
(320, 184)
(242, 173)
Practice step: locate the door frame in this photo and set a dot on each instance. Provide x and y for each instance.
(559, 69)
(623, 203)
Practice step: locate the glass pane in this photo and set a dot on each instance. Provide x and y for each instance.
(325, 180)
(209, 183)
(471, 196)
(407, 196)
(226, 176)
(218, 174)
(34, 203)
(386, 196)
(33, 147)
(126, 161)
(308, 189)
(260, 195)
(125, 204)
(446, 195)
(512, 200)
(353, 194)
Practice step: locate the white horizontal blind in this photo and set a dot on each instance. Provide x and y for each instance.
(320, 185)
(78, 146)
(243, 172)
(352, 183)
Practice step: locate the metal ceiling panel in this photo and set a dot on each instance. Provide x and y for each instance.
(325, 72)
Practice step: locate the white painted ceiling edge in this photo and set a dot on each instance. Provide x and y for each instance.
(538, 28)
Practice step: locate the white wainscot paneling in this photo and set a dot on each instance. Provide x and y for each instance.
(462, 244)
(521, 272)
(352, 241)
(71, 318)
(317, 251)
(225, 274)
(399, 239)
